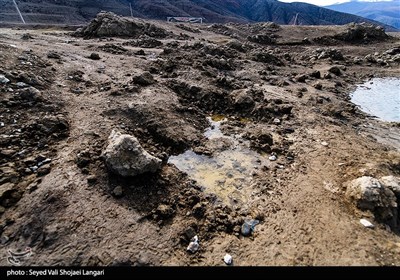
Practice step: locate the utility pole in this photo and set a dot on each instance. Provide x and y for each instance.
(295, 19)
(20, 15)
(130, 6)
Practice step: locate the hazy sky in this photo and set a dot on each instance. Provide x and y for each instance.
(326, 2)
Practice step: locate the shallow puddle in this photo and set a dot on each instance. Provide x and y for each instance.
(228, 173)
(379, 97)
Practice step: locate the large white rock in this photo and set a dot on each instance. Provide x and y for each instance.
(126, 157)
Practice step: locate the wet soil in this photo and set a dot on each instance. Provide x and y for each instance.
(286, 97)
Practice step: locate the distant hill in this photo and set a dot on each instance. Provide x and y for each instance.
(385, 12)
(218, 11)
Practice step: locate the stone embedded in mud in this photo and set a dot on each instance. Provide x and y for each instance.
(164, 211)
(118, 191)
(335, 70)
(242, 99)
(144, 79)
(6, 188)
(31, 94)
(248, 227)
(53, 54)
(94, 56)
(125, 156)
(4, 80)
(369, 194)
(301, 78)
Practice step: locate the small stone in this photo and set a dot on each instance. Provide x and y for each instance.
(7, 153)
(228, 259)
(43, 171)
(4, 239)
(335, 70)
(118, 191)
(193, 245)
(33, 168)
(22, 85)
(248, 227)
(272, 158)
(318, 86)
(4, 188)
(43, 162)
(323, 143)
(144, 79)
(4, 80)
(366, 223)
(53, 54)
(164, 211)
(276, 121)
(94, 56)
(92, 179)
(2, 209)
(301, 78)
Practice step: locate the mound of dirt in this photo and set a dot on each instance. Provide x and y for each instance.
(357, 32)
(108, 24)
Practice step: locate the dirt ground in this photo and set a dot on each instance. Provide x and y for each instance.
(59, 199)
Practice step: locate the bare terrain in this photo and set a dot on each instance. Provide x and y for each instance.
(282, 89)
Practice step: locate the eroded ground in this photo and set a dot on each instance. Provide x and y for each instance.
(282, 98)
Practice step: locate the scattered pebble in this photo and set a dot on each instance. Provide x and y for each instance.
(94, 56)
(3, 79)
(324, 143)
(276, 121)
(118, 191)
(366, 223)
(272, 158)
(248, 227)
(228, 259)
(193, 245)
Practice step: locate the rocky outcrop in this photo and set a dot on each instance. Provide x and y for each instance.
(108, 24)
(356, 33)
(125, 156)
(362, 32)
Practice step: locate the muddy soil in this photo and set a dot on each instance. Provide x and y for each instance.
(287, 96)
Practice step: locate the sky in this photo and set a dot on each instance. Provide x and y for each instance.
(328, 2)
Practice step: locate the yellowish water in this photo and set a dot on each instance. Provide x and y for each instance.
(227, 174)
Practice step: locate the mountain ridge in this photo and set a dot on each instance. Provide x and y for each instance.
(382, 11)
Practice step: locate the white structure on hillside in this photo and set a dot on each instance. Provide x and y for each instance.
(185, 19)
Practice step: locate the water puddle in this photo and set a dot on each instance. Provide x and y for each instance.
(379, 97)
(228, 173)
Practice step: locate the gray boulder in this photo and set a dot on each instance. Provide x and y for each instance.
(369, 193)
(126, 157)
